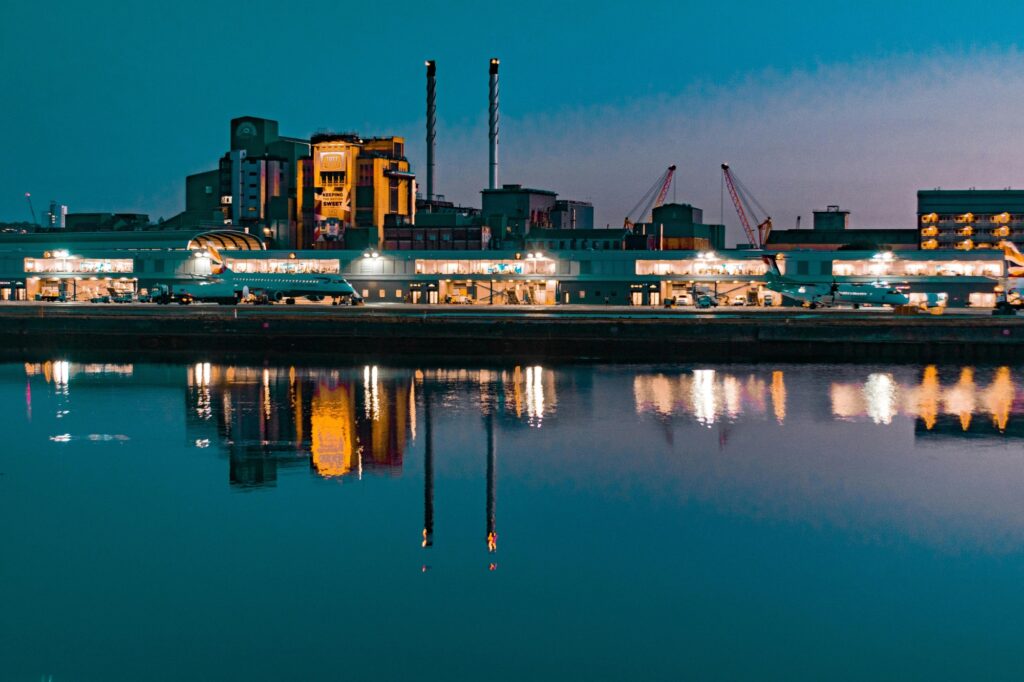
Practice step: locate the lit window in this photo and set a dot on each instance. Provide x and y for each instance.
(383, 293)
(366, 293)
(398, 293)
(583, 294)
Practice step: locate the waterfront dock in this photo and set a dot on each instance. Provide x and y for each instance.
(567, 333)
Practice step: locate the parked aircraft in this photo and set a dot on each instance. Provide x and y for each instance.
(228, 287)
(827, 294)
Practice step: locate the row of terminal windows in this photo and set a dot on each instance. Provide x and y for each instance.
(382, 293)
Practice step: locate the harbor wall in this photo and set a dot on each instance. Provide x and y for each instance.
(360, 333)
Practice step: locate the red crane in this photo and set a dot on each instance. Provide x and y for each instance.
(652, 198)
(745, 203)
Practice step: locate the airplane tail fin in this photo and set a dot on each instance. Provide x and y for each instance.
(773, 266)
(216, 260)
(1014, 259)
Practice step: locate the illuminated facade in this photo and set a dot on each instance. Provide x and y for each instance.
(350, 182)
(138, 261)
(297, 192)
(972, 219)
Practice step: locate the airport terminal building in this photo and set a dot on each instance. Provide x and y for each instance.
(87, 266)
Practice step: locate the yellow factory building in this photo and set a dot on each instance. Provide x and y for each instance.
(350, 182)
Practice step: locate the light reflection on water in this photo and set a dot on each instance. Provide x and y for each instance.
(710, 395)
(667, 491)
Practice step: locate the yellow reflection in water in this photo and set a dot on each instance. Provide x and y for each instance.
(959, 399)
(999, 398)
(928, 396)
(332, 430)
(779, 396)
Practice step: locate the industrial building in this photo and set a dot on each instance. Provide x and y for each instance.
(968, 219)
(831, 232)
(302, 193)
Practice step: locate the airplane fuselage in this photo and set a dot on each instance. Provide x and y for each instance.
(818, 294)
(231, 287)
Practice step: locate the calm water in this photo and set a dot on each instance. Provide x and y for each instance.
(294, 523)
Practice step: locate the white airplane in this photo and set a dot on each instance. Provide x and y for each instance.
(228, 287)
(822, 294)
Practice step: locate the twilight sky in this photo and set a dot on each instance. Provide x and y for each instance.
(108, 105)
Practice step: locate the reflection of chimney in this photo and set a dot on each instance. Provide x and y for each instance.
(492, 461)
(431, 125)
(492, 129)
(428, 473)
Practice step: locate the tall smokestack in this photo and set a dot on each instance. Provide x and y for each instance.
(431, 125)
(492, 466)
(493, 124)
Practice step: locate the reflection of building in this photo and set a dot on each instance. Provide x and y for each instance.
(336, 423)
(972, 401)
(976, 401)
(332, 436)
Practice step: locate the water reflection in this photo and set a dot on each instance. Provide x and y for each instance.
(771, 425)
(337, 422)
(935, 399)
(345, 422)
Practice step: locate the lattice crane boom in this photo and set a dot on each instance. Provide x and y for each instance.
(652, 198)
(744, 221)
(745, 204)
(669, 174)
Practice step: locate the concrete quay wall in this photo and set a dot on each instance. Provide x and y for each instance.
(281, 332)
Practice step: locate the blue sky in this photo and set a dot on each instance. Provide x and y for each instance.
(108, 105)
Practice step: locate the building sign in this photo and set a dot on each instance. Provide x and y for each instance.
(332, 161)
(332, 202)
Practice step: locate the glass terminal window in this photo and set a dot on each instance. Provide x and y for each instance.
(79, 266)
(879, 267)
(528, 266)
(285, 266)
(701, 266)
